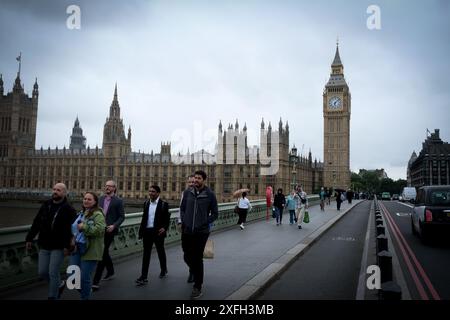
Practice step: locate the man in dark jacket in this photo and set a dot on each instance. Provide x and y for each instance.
(53, 224)
(198, 210)
(154, 225)
(114, 212)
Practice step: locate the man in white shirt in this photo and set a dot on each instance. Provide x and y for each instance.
(154, 225)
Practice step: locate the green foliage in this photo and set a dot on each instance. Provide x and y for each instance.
(369, 182)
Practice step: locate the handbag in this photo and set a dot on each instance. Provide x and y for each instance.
(236, 207)
(306, 217)
(208, 253)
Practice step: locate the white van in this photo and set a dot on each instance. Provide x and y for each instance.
(408, 193)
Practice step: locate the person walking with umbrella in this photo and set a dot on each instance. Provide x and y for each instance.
(244, 207)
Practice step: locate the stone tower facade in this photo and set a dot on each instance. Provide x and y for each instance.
(336, 116)
(77, 140)
(18, 118)
(115, 144)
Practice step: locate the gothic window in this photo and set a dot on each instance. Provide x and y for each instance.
(164, 188)
(138, 185)
(174, 186)
(129, 186)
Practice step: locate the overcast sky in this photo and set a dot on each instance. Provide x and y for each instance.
(181, 66)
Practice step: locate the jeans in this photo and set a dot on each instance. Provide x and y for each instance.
(291, 216)
(50, 262)
(278, 214)
(86, 267)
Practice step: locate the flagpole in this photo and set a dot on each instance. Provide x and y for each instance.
(20, 61)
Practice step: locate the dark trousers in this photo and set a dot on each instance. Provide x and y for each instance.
(193, 246)
(242, 215)
(338, 205)
(150, 237)
(106, 261)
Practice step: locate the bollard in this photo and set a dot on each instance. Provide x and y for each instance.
(385, 264)
(380, 229)
(390, 291)
(382, 243)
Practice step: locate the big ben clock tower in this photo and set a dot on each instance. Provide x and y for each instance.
(336, 127)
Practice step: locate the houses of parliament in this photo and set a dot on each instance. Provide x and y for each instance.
(82, 168)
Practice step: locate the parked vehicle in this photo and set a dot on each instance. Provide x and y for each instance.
(385, 196)
(395, 196)
(431, 212)
(408, 193)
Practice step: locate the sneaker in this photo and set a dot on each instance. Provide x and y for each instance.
(190, 278)
(108, 277)
(61, 288)
(95, 287)
(242, 226)
(299, 227)
(278, 224)
(196, 293)
(141, 281)
(163, 274)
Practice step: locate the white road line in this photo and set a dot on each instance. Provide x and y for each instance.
(408, 205)
(361, 290)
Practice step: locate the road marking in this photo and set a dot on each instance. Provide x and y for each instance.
(403, 214)
(413, 273)
(361, 290)
(413, 257)
(407, 205)
(343, 238)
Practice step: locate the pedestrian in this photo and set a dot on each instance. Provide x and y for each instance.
(52, 223)
(291, 204)
(153, 230)
(88, 230)
(189, 184)
(339, 199)
(322, 196)
(350, 196)
(198, 210)
(244, 207)
(329, 193)
(303, 203)
(113, 210)
(279, 203)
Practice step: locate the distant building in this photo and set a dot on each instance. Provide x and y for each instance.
(26, 169)
(380, 173)
(431, 166)
(408, 172)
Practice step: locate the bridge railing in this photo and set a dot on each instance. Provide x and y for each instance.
(19, 266)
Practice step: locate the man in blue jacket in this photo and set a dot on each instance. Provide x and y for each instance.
(198, 210)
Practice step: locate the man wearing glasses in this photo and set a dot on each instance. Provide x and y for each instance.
(114, 212)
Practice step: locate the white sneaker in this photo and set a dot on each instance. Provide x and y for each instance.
(242, 226)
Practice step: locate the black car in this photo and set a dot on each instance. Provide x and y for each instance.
(431, 212)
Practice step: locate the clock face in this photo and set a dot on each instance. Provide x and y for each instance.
(334, 103)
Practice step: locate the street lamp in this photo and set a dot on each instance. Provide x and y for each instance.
(294, 172)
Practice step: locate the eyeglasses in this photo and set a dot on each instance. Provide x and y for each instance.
(109, 186)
